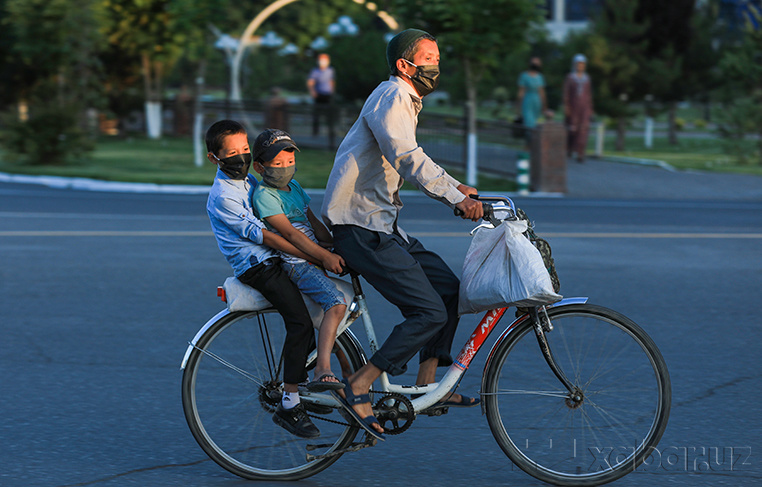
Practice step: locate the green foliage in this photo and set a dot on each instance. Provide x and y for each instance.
(55, 74)
(615, 57)
(52, 51)
(480, 31)
(742, 95)
(52, 135)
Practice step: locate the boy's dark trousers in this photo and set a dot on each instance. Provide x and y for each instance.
(271, 280)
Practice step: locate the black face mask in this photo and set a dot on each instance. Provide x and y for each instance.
(237, 166)
(535, 67)
(426, 78)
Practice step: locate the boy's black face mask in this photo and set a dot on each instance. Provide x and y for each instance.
(237, 166)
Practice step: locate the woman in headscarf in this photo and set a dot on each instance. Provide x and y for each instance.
(531, 96)
(578, 107)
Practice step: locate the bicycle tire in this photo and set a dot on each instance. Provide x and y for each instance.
(232, 383)
(626, 397)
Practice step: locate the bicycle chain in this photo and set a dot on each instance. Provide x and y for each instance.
(385, 396)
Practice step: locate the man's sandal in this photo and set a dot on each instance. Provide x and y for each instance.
(321, 385)
(365, 423)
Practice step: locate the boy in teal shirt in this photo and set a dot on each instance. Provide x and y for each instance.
(284, 207)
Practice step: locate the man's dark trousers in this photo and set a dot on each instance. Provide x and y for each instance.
(415, 280)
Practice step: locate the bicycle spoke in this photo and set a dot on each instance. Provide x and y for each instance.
(232, 385)
(623, 396)
(227, 364)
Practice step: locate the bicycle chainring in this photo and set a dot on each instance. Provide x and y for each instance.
(396, 410)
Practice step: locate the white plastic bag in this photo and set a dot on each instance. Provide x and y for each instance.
(502, 268)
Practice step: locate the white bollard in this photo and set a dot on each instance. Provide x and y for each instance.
(649, 135)
(522, 175)
(599, 136)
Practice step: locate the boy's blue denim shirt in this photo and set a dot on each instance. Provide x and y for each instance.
(237, 230)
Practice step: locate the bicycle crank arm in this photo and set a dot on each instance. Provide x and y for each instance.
(369, 441)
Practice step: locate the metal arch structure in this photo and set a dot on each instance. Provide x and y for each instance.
(247, 39)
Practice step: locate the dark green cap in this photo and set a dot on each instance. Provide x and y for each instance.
(400, 43)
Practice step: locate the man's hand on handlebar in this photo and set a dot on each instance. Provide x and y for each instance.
(471, 209)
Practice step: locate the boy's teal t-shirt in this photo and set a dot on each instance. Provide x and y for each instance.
(269, 201)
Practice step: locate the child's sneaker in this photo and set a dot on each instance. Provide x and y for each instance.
(295, 421)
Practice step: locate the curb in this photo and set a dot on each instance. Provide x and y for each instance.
(638, 161)
(86, 184)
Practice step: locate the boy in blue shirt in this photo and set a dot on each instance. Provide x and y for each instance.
(284, 206)
(248, 247)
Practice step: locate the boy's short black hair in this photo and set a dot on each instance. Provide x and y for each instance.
(218, 131)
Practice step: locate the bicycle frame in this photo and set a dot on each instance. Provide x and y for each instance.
(434, 392)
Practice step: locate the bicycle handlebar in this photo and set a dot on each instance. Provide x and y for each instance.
(486, 206)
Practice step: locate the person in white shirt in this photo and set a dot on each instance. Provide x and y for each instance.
(362, 205)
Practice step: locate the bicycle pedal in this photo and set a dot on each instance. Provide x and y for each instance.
(369, 441)
(317, 408)
(435, 411)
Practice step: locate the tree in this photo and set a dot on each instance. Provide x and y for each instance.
(668, 38)
(157, 33)
(54, 77)
(478, 33)
(616, 56)
(741, 69)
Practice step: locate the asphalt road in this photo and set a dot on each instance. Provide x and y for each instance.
(100, 293)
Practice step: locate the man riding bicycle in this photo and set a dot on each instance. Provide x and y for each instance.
(362, 206)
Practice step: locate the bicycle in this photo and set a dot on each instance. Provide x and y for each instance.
(562, 382)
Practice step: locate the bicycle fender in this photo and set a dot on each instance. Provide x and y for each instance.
(200, 332)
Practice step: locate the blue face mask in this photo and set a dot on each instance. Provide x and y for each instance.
(278, 177)
(237, 166)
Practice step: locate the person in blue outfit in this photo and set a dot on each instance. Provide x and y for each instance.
(251, 251)
(531, 97)
(284, 206)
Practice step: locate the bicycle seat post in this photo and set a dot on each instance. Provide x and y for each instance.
(356, 286)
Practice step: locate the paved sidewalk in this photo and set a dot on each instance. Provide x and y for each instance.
(593, 179)
(606, 179)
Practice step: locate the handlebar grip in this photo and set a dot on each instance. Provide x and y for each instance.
(486, 207)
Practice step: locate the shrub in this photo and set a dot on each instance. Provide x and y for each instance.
(51, 135)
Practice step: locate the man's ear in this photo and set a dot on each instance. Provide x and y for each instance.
(258, 166)
(211, 158)
(402, 65)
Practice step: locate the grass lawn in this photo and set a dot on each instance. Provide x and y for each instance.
(170, 161)
(691, 153)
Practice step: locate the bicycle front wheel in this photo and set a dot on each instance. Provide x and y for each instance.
(231, 386)
(603, 430)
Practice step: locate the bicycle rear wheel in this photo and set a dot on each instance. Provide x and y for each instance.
(232, 384)
(620, 413)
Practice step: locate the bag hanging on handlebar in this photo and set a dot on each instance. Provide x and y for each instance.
(502, 268)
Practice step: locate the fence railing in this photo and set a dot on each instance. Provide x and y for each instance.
(443, 137)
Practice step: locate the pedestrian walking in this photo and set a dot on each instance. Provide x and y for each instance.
(322, 85)
(578, 107)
